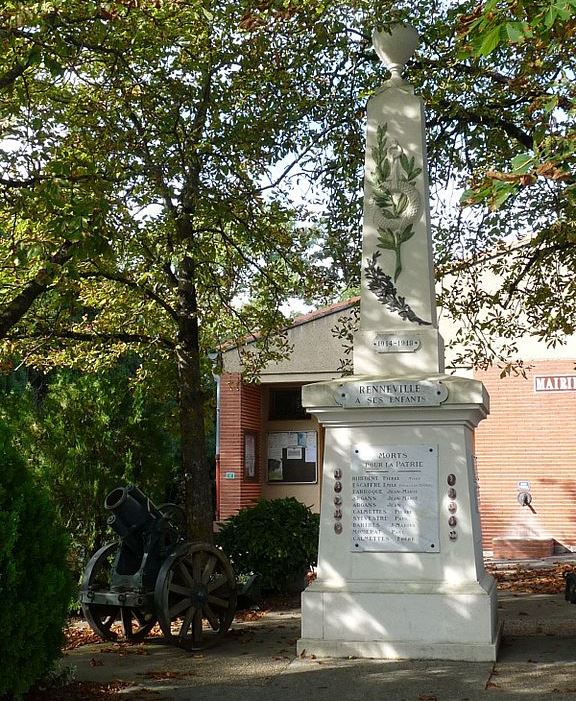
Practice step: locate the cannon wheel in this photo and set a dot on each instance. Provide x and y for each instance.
(136, 622)
(176, 515)
(196, 584)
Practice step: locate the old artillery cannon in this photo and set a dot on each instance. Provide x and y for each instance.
(152, 574)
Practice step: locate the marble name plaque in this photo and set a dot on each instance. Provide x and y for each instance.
(395, 498)
(391, 343)
(390, 393)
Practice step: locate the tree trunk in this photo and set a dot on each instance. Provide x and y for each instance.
(195, 469)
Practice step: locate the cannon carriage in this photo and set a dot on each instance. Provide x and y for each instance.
(153, 575)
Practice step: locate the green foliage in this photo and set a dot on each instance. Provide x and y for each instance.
(35, 584)
(494, 24)
(277, 539)
(167, 140)
(536, 37)
(510, 261)
(83, 435)
(150, 153)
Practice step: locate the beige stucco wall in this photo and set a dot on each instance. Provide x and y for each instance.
(529, 348)
(316, 352)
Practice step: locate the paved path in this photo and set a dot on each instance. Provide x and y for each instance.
(257, 662)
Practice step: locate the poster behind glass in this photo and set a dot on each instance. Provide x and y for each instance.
(292, 457)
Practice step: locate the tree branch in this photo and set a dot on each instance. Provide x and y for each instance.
(537, 255)
(192, 180)
(97, 337)
(12, 75)
(147, 292)
(36, 179)
(470, 117)
(13, 312)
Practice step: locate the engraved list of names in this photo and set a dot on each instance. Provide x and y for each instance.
(395, 498)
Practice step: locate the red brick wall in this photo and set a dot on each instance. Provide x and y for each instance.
(528, 436)
(240, 411)
(251, 420)
(522, 548)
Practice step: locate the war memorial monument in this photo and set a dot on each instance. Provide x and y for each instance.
(400, 570)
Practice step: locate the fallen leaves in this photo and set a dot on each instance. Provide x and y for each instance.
(125, 648)
(79, 633)
(249, 615)
(160, 675)
(91, 691)
(529, 579)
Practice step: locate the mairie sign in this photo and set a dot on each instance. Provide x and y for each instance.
(555, 383)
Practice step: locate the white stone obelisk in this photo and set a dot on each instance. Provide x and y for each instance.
(398, 327)
(400, 570)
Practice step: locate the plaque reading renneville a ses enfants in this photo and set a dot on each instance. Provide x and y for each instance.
(390, 393)
(395, 498)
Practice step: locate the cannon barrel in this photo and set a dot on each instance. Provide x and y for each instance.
(132, 512)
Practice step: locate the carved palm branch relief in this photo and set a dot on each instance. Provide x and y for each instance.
(397, 206)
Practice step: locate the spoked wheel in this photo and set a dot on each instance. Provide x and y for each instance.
(176, 515)
(195, 596)
(135, 623)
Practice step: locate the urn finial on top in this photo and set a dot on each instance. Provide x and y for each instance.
(395, 47)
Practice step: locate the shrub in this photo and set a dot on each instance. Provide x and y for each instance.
(277, 539)
(35, 584)
(82, 435)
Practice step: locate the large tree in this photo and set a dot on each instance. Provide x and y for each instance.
(151, 149)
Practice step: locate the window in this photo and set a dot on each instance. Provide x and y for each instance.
(286, 405)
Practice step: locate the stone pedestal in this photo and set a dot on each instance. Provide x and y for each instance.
(400, 572)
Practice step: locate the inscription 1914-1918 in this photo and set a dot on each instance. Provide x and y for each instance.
(395, 498)
(395, 343)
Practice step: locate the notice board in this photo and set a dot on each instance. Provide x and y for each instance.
(292, 457)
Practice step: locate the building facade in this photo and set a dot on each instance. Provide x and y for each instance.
(525, 450)
(264, 424)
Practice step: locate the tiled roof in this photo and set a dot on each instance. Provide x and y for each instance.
(323, 311)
